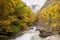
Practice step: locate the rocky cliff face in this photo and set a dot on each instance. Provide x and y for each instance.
(48, 3)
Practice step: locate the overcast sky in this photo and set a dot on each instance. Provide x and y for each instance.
(37, 3)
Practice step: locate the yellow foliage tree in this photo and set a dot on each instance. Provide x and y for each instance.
(14, 17)
(50, 16)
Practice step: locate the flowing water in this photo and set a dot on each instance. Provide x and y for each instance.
(29, 36)
(35, 36)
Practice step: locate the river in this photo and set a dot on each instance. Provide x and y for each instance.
(34, 35)
(29, 36)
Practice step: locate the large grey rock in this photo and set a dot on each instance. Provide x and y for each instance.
(55, 37)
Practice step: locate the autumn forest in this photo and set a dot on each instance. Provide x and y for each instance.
(16, 17)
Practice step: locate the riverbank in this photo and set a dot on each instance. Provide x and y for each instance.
(54, 37)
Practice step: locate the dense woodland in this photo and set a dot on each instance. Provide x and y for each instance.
(49, 17)
(16, 16)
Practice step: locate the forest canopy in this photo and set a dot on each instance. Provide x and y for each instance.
(50, 17)
(15, 16)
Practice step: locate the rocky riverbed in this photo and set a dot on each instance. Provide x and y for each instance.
(35, 36)
(54, 37)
